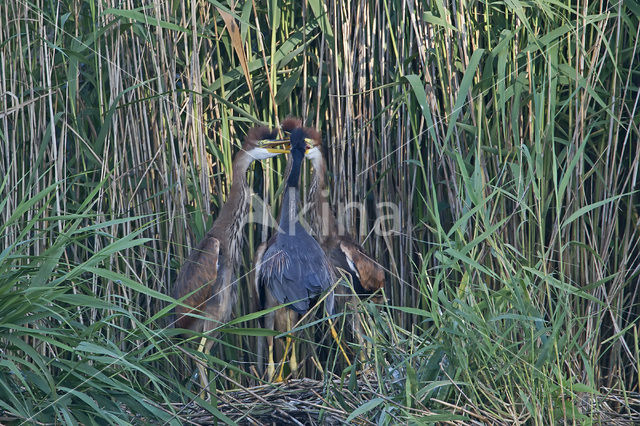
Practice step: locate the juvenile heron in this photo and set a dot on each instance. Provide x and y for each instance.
(206, 280)
(365, 274)
(292, 267)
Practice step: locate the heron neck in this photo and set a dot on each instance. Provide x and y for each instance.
(323, 220)
(233, 214)
(294, 176)
(289, 211)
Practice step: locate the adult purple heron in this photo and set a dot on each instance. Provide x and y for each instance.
(344, 254)
(206, 285)
(291, 268)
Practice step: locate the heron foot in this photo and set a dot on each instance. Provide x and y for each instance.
(286, 352)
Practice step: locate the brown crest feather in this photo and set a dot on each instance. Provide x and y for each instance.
(290, 123)
(313, 134)
(257, 134)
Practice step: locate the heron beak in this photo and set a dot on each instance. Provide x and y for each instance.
(310, 144)
(273, 145)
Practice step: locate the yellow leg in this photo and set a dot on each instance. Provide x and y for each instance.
(203, 341)
(271, 370)
(365, 350)
(363, 357)
(284, 357)
(293, 361)
(202, 371)
(335, 337)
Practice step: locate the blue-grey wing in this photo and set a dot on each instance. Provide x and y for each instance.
(316, 272)
(280, 274)
(295, 269)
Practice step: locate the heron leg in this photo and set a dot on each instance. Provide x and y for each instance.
(280, 377)
(204, 347)
(365, 350)
(269, 324)
(358, 331)
(329, 304)
(293, 361)
(271, 370)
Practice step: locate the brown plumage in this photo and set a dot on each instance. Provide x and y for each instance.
(370, 273)
(206, 280)
(197, 275)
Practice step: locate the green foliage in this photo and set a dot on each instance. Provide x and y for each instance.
(505, 132)
(57, 363)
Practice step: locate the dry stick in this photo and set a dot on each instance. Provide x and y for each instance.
(266, 64)
(320, 67)
(304, 62)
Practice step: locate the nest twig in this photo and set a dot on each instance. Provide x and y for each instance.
(298, 401)
(303, 402)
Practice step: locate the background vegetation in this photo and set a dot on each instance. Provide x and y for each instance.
(505, 131)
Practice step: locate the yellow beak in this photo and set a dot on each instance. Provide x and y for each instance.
(272, 145)
(310, 143)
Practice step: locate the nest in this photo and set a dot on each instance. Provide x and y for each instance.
(304, 402)
(298, 401)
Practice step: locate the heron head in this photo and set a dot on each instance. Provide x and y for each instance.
(262, 143)
(289, 124)
(312, 136)
(314, 143)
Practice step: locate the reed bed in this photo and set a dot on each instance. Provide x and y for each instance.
(503, 135)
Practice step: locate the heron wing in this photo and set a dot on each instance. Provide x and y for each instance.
(258, 296)
(366, 272)
(195, 280)
(295, 269)
(279, 274)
